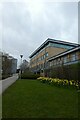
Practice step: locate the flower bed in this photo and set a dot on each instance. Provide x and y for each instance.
(59, 82)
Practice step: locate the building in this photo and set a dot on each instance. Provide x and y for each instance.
(24, 65)
(65, 65)
(50, 48)
(9, 64)
(68, 57)
(14, 65)
(0, 65)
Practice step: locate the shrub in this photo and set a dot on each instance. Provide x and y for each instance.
(29, 75)
(69, 72)
(5, 76)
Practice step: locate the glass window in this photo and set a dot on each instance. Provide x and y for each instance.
(60, 45)
(46, 54)
(43, 56)
(77, 56)
(73, 57)
(54, 62)
(51, 63)
(58, 61)
(65, 59)
(42, 66)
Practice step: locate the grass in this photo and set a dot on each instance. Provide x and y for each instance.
(33, 99)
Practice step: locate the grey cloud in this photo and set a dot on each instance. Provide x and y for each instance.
(14, 18)
(24, 30)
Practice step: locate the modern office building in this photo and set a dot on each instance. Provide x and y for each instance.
(65, 65)
(39, 59)
(68, 57)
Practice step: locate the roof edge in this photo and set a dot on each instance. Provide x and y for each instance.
(52, 40)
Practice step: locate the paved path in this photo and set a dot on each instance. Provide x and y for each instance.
(4, 84)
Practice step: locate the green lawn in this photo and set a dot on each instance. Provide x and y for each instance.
(33, 99)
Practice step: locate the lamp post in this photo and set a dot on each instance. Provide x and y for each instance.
(21, 66)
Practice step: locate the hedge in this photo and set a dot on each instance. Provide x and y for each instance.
(70, 72)
(29, 75)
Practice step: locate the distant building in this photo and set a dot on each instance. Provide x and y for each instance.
(9, 64)
(14, 66)
(0, 65)
(40, 58)
(24, 65)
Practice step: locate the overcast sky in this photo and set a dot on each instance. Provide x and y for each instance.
(26, 25)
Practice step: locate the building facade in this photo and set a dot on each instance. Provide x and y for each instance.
(9, 64)
(39, 59)
(65, 65)
(14, 66)
(68, 57)
(24, 65)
